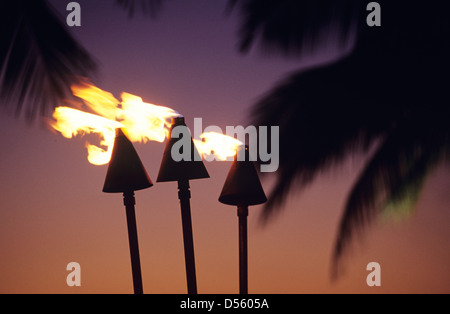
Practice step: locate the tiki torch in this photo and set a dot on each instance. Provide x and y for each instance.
(126, 174)
(182, 171)
(242, 188)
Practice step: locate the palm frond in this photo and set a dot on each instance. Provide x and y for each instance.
(292, 26)
(390, 88)
(393, 177)
(287, 26)
(39, 59)
(324, 115)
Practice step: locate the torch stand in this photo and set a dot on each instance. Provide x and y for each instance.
(129, 202)
(126, 174)
(182, 172)
(184, 194)
(243, 249)
(242, 188)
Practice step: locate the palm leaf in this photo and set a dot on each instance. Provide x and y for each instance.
(394, 176)
(327, 114)
(39, 59)
(388, 90)
(324, 114)
(288, 26)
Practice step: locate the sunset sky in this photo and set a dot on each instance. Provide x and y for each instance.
(53, 211)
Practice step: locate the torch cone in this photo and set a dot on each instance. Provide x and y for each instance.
(126, 174)
(125, 171)
(181, 172)
(242, 188)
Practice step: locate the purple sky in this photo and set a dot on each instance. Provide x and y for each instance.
(53, 211)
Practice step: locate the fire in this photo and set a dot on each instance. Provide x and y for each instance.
(217, 145)
(101, 102)
(141, 121)
(145, 122)
(71, 122)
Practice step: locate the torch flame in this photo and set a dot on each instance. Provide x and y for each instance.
(142, 122)
(101, 102)
(217, 145)
(71, 122)
(145, 122)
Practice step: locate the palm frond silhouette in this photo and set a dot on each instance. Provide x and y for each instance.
(39, 59)
(389, 92)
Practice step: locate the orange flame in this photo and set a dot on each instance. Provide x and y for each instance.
(142, 122)
(71, 122)
(101, 102)
(217, 145)
(145, 122)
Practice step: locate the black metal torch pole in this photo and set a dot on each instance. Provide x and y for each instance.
(243, 249)
(129, 202)
(184, 194)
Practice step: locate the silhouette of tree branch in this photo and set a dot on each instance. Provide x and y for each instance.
(393, 178)
(288, 26)
(389, 89)
(39, 59)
